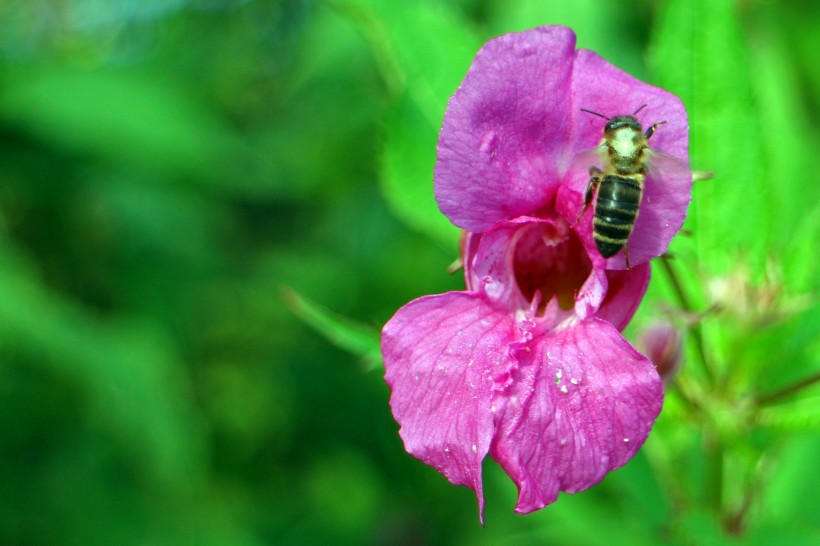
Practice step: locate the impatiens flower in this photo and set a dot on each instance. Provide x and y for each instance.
(528, 364)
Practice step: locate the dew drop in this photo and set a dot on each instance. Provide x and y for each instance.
(474, 448)
(574, 381)
(563, 441)
(626, 440)
(564, 389)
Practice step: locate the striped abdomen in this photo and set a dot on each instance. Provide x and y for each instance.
(615, 211)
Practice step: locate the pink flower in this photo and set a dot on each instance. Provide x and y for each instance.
(528, 363)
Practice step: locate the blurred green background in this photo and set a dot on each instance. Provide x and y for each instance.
(180, 181)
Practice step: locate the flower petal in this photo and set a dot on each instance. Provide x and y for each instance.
(506, 128)
(599, 86)
(528, 260)
(580, 404)
(468, 250)
(443, 355)
(625, 290)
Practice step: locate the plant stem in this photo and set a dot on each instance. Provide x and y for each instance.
(683, 300)
(785, 392)
(713, 487)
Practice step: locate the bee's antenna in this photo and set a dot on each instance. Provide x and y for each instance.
(641, 107)
(594, 113)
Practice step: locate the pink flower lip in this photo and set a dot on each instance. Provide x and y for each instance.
(548, 265)
(531, 264)
(542, 266)
(467, 369)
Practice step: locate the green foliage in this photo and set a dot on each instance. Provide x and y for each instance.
(168, 167)
(420, 74)
(346, 334)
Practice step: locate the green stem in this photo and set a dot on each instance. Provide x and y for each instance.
(683, 301)
(377, 38)
(785, 392)
(714, 471)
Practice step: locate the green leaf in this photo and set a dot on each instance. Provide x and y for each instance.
(699, 54)
(407, 170)
(132, 117)
(697, 526)
(424, 51)
(792, 491)
(356, 338)
(800, 273)
(785, 135)
(798, 415)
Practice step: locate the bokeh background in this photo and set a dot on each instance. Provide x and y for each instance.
(209, 207)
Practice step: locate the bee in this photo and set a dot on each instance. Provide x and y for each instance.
(619, 185)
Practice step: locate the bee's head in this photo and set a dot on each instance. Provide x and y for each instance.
(619, 122)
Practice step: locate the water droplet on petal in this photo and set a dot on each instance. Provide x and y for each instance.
(474, 448)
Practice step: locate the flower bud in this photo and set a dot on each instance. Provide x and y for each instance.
(661, 342)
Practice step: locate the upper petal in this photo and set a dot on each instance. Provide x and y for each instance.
(505, 129)
(599, 86)
(580, 404)
(443, 355)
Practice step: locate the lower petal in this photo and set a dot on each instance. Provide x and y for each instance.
(444, 357)
(581, 403)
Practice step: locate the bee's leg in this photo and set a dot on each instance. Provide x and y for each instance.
(592, 187)
(626, 254)
(651, 130)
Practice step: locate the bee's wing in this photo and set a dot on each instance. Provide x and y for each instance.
(663, 166)
(582, 161)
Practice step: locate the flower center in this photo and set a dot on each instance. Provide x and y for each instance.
(550, 261)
